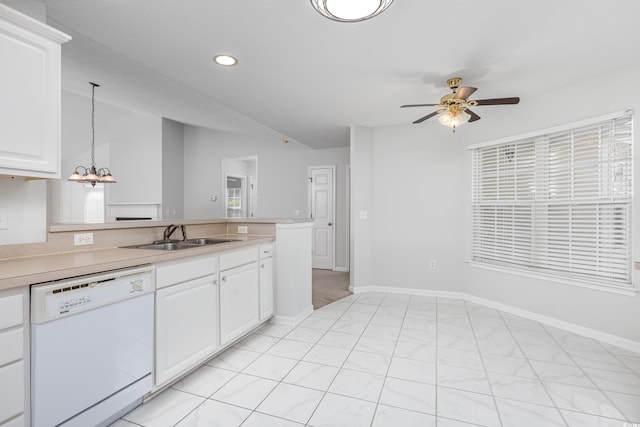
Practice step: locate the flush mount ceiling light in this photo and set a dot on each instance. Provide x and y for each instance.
(226, 60)
(350, 10)
(92, 175)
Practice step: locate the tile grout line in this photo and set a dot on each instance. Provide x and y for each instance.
(484, 366)
(395, 345)
(596, 386)
(535, 372)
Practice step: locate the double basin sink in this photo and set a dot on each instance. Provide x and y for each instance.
(174, 245)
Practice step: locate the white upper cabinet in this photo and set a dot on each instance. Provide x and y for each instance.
(30, 100)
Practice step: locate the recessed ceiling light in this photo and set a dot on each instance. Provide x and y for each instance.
(226, 60)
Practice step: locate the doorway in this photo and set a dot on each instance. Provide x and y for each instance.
(322, 211)
(240, 187)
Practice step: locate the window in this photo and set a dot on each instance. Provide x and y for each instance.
(557, 203)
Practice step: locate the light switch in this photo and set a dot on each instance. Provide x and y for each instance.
(4, 218)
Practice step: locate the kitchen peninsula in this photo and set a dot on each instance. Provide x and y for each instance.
(262, 272)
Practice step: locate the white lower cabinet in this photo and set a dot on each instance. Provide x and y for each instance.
(186, 320)
(205, 303)
(239, 293)
(14, 345)
(239, 301)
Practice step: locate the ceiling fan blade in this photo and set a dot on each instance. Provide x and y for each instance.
(498, 101)
(428, 116)
(464, 92)
(419, 105)
(473, 115)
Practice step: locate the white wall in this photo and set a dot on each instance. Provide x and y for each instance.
(26, 203)
(613, 314)
(172, 169)
(282, 177)
(436, 161)
(135, 150)
(412, 194)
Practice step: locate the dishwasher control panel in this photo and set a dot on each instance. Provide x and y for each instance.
(50, 301)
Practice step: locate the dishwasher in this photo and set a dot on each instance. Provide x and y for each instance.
(92, 347)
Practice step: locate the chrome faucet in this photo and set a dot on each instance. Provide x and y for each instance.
(169, 231)
(173, 227)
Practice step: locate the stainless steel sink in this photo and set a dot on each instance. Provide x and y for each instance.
(175, 245)
(205, 241)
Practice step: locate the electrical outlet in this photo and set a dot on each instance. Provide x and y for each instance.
(4, 218)
(363, 214)
(82, 239)
(243, 229)
(432, 264)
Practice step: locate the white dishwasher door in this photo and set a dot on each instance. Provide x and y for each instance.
(80, 360)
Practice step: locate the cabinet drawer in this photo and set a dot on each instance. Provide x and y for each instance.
(237, 258)
(11, 313)
(266, 250)
(170, 273)
(11, 390)
(11, 345)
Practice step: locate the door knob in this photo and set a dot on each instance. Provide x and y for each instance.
(330, 224)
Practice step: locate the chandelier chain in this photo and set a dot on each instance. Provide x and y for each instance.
(93, 126)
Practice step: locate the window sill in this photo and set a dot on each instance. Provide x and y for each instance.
(620, 290)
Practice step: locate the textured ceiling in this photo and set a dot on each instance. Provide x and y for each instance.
(306, 78)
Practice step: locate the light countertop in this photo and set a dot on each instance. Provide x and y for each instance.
(23, 271)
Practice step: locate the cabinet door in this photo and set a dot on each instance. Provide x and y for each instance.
(12, 383)
(239, 301)
(30, 102)
(186, 326)
(266, 288)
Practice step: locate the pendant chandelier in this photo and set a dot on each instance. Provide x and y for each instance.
(350, 10)
(91, 175)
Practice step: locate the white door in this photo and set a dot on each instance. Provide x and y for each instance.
(322, 211)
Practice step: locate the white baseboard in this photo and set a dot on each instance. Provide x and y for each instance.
(341, 269)
(292, 320)
(556, 323)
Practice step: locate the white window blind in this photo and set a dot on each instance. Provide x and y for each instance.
(558, 203)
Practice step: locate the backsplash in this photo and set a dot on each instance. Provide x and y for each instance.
(60, 237)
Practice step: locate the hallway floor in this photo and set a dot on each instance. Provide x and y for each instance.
(393, 360)
(328, 286)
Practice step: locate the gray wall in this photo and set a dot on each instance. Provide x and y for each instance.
(172, 169)
(434, 221)
(282, 177)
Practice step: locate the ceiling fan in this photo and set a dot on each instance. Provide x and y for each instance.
(456, 105)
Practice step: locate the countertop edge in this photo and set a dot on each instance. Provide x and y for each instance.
(51, 267)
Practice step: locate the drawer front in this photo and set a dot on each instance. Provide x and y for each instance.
(266, 251)
(11, 390)
(11, 311)
(11, 345)
(237, 258)
(173, 272)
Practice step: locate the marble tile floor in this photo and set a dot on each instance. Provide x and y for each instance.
(393, 360)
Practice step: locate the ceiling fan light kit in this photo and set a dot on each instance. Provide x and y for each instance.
(350, 10)
(455, 105)
(454, 118)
